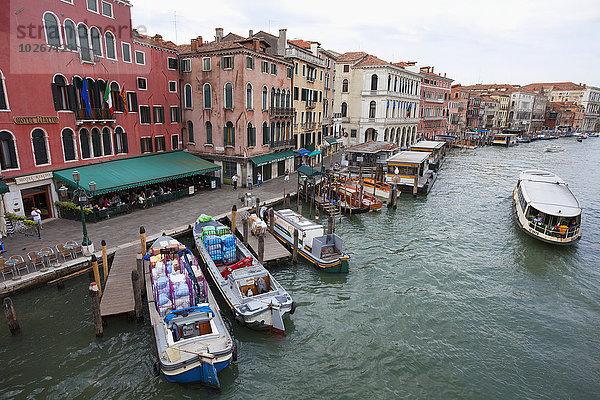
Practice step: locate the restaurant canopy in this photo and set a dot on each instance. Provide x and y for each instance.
(259, 161)
(303, 152)
(314, 153)
(307, 171)
(332, 141)
(128, 173)
(3, 188)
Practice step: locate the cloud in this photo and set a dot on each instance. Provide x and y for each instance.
(515, 41)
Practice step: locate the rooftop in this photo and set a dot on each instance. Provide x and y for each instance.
(372, 147)
(409, 157)
(370, 60)
(352, 56)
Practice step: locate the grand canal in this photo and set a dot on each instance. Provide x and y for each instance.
(445, 298)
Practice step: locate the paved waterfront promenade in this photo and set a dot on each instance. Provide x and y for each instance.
(124, 229)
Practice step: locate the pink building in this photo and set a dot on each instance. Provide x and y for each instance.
(237, 106)
(48, 48)
(435, 94)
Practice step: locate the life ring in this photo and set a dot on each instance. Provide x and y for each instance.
(293, 309)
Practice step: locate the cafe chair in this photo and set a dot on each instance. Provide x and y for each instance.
(34, 259)
(52, 257)
(21, 264)
(5, 269)
(77, 248)
(63, 252)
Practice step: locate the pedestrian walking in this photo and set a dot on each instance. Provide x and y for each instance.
(258, 180)
(286, 178)
(37, 216)
(234, 180)
(249, 182)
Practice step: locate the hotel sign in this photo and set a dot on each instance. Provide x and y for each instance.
(33, 178)
(35, 120)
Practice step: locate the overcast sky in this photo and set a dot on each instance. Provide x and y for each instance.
(473, 41)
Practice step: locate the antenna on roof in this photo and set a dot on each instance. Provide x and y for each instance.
(175, 23)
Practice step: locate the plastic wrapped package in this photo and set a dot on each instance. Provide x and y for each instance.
(229, 255)
(222, 230)
(228, 241)
(209, 231)
(160, 267)
(162, 283)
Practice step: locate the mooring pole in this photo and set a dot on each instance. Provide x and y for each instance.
(233, 219)
(140, 269)
(143, 239)
(95, 303)
(245, 224)
(295, 253)
(271, 220)
(330, 225)
(11, 316)
(104, 262)
(261, 247)
(137, 294)
(96, 274)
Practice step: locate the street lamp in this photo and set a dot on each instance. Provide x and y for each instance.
(80, 197)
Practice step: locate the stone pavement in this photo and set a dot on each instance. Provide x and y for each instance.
(163, 217)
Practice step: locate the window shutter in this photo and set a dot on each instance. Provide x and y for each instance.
(233, 135)
(223, 62)
(55, 96)
(232, 58)
(224, 136)
(72, 97)
(124, 139)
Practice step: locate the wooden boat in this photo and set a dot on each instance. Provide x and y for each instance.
(192, 341)
(554, 149)
(381, 190)
(253, 295)
(324, 251)
(546, 209)
(348, 196)
(504, 139)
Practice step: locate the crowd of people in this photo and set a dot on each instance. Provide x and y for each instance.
(139, 198)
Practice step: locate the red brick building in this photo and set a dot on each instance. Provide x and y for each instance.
(564, 116)
(435, 94)
(48, 49)
(457, 109)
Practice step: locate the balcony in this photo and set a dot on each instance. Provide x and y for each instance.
(283, 144)
(98, 115)
(304, 56)
(281, 112)
(311, 79)
(310, 104)
(308, 126)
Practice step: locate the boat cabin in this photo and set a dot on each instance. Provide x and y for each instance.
(504, 139)
(190, 323)
(436, 150)
(369, 154)
(409, 170)
(251, 281)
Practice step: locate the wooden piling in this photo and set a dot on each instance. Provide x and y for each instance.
(395, 196)
(257, 206)
(261, 248)
(390, 203)
(95, 302)
(143, 239)
(104, 261)
(233, 219)
(140, 270)
(271, 220)
(330, 225)
(137, 294)
(11, 316)
(295, 253)
(245, 224)
(416, 185)
(96, 274)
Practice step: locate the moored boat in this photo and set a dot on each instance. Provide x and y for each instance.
(324, 251)
(192, 341)
(253, 295)
(381, 190)
(409, 170)
(504, 139)
(554, 149)
(546, 209)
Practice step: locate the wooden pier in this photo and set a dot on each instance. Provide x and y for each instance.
(117, 295)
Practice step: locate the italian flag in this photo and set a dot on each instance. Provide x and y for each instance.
(108, 98)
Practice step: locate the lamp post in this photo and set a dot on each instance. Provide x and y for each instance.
(80, 197)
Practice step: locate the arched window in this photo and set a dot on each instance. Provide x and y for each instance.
(277, 132)
(96, 41)
(3, 94)
(187, 93)
(229, 96)
(59, 93)
(96, 142)
(389, 82)
(68, 142)
(115, 92)
(207, 92)
(70, 35)
(249, 96)
(190, 131)
(109, 42)
(251, 135)
(53, 36)
(208, 132)
(272, 97)
(395, 84)
(229, 134)
(345, 86)
(344, 109)
(84, 43)
(84, 143)
(374, 82)
(106, 142)
(7, 151)
(40, 150)
(265, 100)
(265, 133)
(278, 98)
(272, 132)
(120, 141)
(372, 109)
(289, 99)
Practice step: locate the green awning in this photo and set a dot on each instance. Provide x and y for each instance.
(3, 188)
(259, 161)
(331, 141)
(308, 171)
(314, 153)
(115, 175)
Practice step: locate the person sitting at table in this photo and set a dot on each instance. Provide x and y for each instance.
(141, 200)
(538, 219)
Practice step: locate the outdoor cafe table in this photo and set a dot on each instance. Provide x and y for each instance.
(44, 254)
(12, 263)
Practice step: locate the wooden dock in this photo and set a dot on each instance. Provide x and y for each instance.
(274, 250)
(117, 294)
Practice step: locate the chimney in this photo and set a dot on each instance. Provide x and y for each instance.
(194, 45)
(219, 35)
(250, 33)
(157, 38)
(256, 45)
(314, 48)
(282, 42)
(200, 42)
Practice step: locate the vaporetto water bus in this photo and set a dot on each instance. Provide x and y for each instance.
(192, 341)
(324, 251)
(504, 139)
(546, 209)
(253, 295)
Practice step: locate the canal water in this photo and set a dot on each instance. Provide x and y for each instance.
(445, 298)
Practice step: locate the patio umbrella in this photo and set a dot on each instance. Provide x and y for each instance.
(3, 231)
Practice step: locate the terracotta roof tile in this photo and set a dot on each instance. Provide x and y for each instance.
(352, 56)
(301, 43)
(370, 60)
(555, 86)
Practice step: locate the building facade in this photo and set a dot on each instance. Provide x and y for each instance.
(69, 55)
(435, 94)
(237, 106)
(521, 110)
(457, 109)
(564, 117)
(490, 110)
